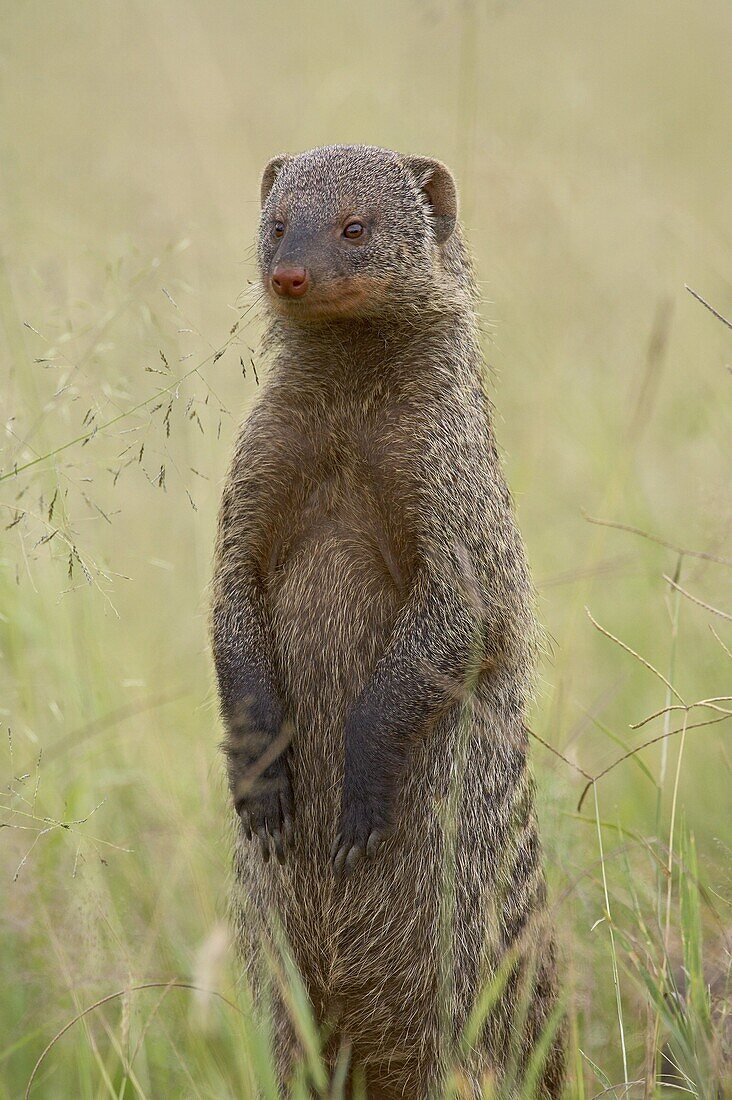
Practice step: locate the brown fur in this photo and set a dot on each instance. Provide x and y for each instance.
(372, 602)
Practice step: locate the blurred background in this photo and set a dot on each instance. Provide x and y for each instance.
(591, 145)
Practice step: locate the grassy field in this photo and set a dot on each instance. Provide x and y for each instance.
(591, 142)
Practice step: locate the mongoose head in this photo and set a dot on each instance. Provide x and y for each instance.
(358, 232)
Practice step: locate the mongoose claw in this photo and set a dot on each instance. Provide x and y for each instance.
(356, 841)
(374, 843)
(267, 816)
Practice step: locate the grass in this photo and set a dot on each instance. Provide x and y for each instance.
(130, 146)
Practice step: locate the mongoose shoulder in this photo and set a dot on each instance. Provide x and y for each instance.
(374, 638)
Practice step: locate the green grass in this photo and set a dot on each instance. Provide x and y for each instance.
(589, 141)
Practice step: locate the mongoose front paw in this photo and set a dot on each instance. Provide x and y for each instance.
(266, 810)
(361, 832)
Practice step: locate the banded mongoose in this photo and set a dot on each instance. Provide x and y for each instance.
(374, 641)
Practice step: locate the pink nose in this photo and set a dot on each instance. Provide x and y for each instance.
(290, 282)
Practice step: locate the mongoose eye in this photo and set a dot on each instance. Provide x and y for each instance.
(354, 230)
(279, 229)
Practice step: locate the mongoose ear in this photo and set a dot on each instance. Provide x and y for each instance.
(270, 174)
(435, 180)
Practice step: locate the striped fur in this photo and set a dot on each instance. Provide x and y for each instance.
(371, 586)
